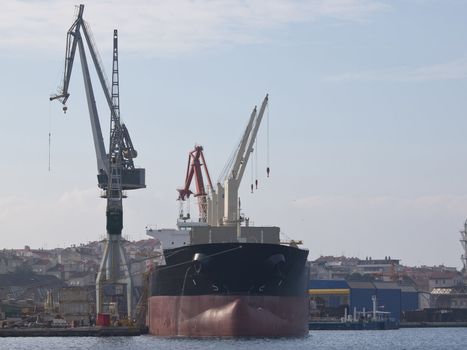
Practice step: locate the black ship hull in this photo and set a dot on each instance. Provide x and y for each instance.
(230, 289)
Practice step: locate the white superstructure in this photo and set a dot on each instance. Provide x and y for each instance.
(170, 237)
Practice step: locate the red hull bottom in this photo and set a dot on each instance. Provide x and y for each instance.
(228, 316)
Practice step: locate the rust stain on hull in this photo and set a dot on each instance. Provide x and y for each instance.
(228, 316)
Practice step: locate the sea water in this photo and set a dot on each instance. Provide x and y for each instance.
(414, 338)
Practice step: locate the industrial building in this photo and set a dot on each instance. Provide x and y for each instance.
(334, 298)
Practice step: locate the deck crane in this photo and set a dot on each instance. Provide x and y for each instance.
(223, 205)
(116, 170)
(196, 163)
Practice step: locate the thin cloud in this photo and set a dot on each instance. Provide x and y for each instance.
(453, 70)
(454, 203)
(418, 229)
(76, 216)
(168, 27)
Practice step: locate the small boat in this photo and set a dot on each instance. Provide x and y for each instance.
(360, 320)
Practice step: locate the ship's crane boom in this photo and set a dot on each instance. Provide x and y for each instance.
(223, 203)
(248, 140)
(235, 174)
(196, 163)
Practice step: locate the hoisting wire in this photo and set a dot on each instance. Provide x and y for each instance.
(50, 129)
(252, 173)
(188, 209)
(256, 162)
(267, 141)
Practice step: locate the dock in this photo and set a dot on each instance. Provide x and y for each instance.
(72, 332)
(432, 324)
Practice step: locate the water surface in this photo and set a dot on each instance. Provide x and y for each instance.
(417, 338)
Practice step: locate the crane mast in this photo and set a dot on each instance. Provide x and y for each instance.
(223, 206)
(116, 170)
(114, 268)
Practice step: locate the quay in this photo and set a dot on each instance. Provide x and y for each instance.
(432, 324)
(72, 332)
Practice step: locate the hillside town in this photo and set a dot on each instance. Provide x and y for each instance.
(37, 285)
(61, 281)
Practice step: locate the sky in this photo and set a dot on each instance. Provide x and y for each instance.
(367, 119)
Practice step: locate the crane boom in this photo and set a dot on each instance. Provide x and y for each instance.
(102, 166)
(70, 50)
(233, 181)
(223, 204)
(196, 162)
(132, 178)
(251, 140)
(99, 69)
(240, 154)
(74, 40)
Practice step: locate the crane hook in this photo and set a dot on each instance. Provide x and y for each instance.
(65, 109)
(267, 171)
(251, 188)
(256, 183)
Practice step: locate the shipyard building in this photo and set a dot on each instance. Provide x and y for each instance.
(335, 298)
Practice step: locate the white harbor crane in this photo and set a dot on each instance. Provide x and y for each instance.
(223, 204)
(116, 170)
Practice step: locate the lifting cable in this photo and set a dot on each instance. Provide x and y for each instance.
(256, 162)
(50, 129)
(252, 172)
(267, 141)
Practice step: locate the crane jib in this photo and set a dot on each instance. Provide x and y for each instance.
(131, 177)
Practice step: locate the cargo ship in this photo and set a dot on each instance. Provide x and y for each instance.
(222, 276)
(214, 286)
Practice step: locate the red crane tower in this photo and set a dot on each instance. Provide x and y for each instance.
(196, 163)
